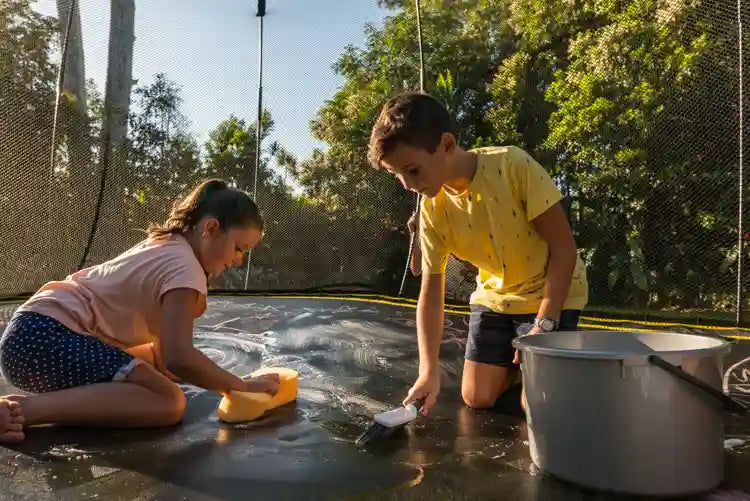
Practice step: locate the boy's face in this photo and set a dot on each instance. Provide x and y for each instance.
(419, 170)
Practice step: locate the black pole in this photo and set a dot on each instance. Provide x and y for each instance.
(258, 126)
(421, 50)
(740, 230)
(419, 196)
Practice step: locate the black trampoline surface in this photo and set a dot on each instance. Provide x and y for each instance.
(355, 358)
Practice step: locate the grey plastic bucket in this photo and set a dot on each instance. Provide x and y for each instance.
(601, 415)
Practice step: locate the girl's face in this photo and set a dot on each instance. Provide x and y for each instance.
(218, 250)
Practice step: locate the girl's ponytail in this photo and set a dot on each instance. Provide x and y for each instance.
(213, 197)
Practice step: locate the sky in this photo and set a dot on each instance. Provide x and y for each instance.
(210, 48)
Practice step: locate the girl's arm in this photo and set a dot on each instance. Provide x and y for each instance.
(187, 362)
(151, 354)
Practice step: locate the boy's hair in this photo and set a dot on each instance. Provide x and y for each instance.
(411, 118)
(215, 198)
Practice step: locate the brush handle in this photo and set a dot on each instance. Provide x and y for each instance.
(729, 403)
(397, 417)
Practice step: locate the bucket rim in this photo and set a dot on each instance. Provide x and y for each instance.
(521, 343)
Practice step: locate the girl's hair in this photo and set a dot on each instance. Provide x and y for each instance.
(214, 198)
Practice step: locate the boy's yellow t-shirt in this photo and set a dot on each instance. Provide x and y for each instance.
(489, 225)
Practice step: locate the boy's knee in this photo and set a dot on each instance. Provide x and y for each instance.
(478, 399)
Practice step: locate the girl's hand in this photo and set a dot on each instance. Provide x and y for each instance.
(267, 383)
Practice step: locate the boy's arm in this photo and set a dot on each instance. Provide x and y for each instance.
(553, 226)
(429, 335)
(416, 256)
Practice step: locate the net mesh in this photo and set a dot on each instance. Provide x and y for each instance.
(634, 107)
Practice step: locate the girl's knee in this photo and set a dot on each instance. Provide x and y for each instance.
(170, 397)
(175, 406)
(170, 408)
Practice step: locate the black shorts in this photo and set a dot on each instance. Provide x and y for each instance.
(491, 333)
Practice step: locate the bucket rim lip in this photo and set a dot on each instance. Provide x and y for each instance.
(722, 348)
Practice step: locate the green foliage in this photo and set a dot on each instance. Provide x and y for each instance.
(634, 113)
(163, 158)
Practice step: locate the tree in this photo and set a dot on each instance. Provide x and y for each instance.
(162, 157)
(633, 109)
(230, 152)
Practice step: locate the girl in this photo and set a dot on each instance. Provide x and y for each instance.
(102, 346)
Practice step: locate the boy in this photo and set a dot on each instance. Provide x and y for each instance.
(498, 209)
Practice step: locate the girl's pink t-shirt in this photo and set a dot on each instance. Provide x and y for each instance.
(119, 301)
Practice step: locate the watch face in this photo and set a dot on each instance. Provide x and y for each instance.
(546, 324)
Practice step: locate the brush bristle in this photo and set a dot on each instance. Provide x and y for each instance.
(375, 430)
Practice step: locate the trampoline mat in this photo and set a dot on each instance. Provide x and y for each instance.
(355, 358)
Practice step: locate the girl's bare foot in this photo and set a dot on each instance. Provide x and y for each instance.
(11, 420)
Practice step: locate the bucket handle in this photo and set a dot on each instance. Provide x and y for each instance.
(729, 403)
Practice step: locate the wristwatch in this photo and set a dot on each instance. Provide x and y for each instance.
(545, 324)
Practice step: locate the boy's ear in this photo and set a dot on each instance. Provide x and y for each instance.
(448, 142)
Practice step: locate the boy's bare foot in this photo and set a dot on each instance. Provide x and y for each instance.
(11, 420)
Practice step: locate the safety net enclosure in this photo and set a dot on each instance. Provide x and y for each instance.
(108, 111)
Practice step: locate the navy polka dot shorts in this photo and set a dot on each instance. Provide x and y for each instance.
(39, 354)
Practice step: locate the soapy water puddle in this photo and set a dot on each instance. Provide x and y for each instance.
(357, 365)
(737, 444)
(68, 453)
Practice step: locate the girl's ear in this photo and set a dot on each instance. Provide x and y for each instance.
(209, 226)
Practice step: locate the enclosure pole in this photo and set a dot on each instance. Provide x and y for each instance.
(740, 230)
(419, 196)
(421, 51)
(55, 114)
(258, 125)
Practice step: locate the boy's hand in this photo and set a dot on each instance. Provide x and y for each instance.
(413, 222)
(533, 329)
(426, 387)
(267, 383)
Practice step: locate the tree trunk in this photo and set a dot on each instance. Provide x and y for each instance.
(119, 72)
(74, 80)
(112, 235)
(73, 130)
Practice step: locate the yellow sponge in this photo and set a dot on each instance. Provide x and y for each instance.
(240, 406)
